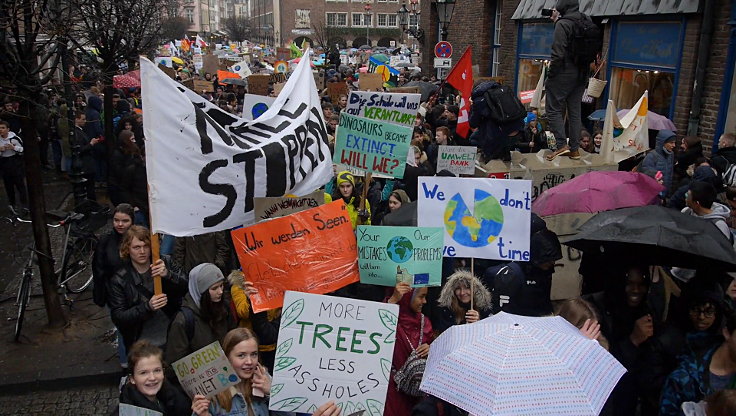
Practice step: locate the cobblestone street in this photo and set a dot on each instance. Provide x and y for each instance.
(83, 401)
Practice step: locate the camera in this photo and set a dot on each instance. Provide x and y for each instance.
(547, 12)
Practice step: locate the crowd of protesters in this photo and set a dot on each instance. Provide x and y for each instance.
(678, 345)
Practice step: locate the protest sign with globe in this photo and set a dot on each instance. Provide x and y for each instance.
(388, 255)
(481, 217)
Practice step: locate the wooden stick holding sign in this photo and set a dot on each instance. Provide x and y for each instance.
(361, 208)
(472, 272)
(155, 255)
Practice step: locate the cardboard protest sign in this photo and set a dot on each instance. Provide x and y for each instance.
(482, 218)
(333, 348)
(199, 85)
(459, 160)
(335, 90)
(198, 63)
(372, 145)
(267, 208)
(399, 109)
(628, 136)
(319, 79)
(130, 410)
(205, 165)
(258, 84)
(389, 255)
(255, 105)
(311, 251)
(206, 371)
(370, 82)
(210, 64)
(406, 90)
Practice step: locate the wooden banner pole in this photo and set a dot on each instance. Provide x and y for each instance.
(472, 291)
(155, 248)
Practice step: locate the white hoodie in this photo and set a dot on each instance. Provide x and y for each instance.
(15, 141)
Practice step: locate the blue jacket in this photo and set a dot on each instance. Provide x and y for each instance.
(94, 127)
(660, 160)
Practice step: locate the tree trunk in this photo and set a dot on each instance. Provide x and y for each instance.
(37, 207)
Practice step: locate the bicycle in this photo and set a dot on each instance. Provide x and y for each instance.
(79, 246)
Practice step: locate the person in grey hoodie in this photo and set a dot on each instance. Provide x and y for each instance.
(661, 159)
(700, 200)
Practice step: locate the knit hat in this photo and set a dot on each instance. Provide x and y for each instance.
(401, 195)
(201, 278)
(345, 176)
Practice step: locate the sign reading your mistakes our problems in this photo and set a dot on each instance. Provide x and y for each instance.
(333, 348)
(310, 251)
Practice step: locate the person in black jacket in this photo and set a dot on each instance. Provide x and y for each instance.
(147, 387)
(134, 308)
(495, 141)
(106, 260)
(124, 155)
(134, 189)
(86, 158)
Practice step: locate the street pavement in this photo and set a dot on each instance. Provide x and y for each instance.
(68, 371)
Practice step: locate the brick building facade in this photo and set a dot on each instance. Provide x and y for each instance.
(346, 22)
(500, 49)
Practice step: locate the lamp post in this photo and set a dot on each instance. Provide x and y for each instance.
(367, 9)
(444, 15)
(404, 14)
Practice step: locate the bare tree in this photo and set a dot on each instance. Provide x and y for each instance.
(238, 28)
(120, 31)
(322, 34)
(28, 52)
(174, 27)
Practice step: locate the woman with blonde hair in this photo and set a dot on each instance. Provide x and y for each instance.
(455, 303)
(580, 313)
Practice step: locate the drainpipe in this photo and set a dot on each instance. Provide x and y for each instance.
(706, 34)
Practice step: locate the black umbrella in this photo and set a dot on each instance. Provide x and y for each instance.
(426, 88)
(655, 235)
(234, 81)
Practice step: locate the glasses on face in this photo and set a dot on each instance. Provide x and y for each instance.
(706, 312)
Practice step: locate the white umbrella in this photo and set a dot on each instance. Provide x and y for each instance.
(516, 365)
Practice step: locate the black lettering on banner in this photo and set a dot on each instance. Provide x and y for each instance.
(201, 120)
(249, 167)
(226, 190)
(319, 130)
(301, 137)
(275, 169)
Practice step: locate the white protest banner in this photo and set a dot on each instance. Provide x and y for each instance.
(628, 136)
(205, 165)
(255, 105)
(206, 371)
(333, 348)
(267, 208)
(459, 160)
(394, 108)
(164, 60)
(482, 217)
(130, 410)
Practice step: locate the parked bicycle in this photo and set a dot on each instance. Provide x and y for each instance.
(79, 244)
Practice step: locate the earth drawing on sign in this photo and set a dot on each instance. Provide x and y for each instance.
(399, 249)
(476, 229)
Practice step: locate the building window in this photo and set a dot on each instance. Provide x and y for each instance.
(628, 85)
(301, 19)
(414, 21)
(189, 15)
(337, 19)
(535, 46)
(496, 62)
(362, 19)
(386, 20)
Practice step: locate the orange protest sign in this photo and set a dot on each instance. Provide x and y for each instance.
(225, 75)
(312, 251)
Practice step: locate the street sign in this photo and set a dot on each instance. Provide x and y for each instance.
(443, 62)
(443, 49)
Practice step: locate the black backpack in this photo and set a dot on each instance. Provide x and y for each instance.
(503, 103)
(587, 41)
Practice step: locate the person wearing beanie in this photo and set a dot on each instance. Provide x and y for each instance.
(661, 160)
(347, 191)
(205, 315)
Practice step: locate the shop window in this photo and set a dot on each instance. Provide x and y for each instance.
(529, 72)
(628, 85)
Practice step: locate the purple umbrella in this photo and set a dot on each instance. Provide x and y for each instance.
(656, 121)
(598, 191)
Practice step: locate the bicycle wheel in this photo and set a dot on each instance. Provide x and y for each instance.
(76, 272)
(24, 295)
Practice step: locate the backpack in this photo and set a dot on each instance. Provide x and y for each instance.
(409, 377)
(729, 174)
(587, 41)
(503, 103)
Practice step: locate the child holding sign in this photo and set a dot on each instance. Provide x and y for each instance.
(147, 387)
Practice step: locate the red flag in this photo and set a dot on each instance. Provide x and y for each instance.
(461, 78)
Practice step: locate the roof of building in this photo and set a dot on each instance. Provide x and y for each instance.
(532, 9)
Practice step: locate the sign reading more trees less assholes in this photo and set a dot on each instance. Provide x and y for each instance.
(333, 348)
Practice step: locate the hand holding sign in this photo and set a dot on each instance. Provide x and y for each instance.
(200, 405)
